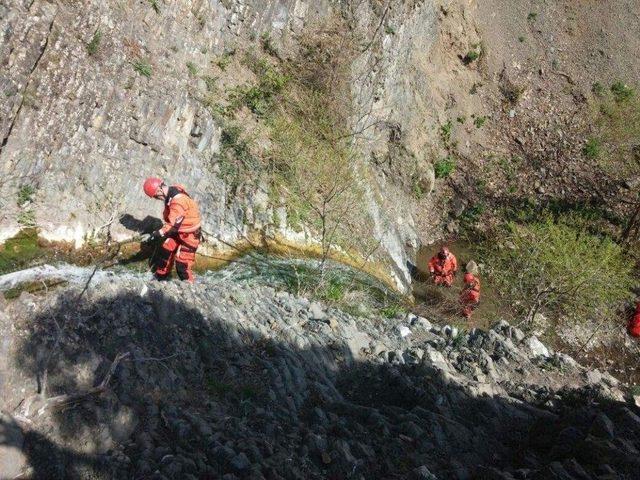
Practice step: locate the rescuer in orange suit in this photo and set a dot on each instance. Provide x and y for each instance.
(443, 267)
(470, 294)
(181, 229)
(634, 323)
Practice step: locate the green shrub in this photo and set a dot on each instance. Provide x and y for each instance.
(155, 5)
(479, 121)
(259, 97)
(392, 310)
(621, 92)
(334, 290)
(193, 69)
(471, 215)
(236, 162)
(444, 167)
(560, 268)
(225, 59)
(471, 56)
(598, 89)
(25, 194)
(445, 132)
(267, 44)
(143, 67)
(592, 148)
(27, 219)
(416, 189)
(20, 251)
(94, 44)
(532, 17)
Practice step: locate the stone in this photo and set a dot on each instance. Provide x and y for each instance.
(472, 267)
(423, 473)
(450, 331)
(435, 358)
(421, 323)
(240, 462)
(593, 376)
(404, 331)
(536, 347)
(603, 427)
(316, 312)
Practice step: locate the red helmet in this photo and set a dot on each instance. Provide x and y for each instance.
(151, 186)
(468, 277)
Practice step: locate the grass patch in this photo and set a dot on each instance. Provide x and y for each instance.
(622, 92)
(444, 167)
(470, 57)
(592, 148)
(267, 44)
(259, 97)
(471, 215)
(94, 43)
(224, 61)
(217, 387)
(598, 89)
(473, 54)
(25, 195)
(393, 310)
(27, 219)
(193, 69)
(445, 132)
(479, 121)
(143, 67)
(20, 251)
(236, 162)
(32, 287)
(155, 5)
(416, 189)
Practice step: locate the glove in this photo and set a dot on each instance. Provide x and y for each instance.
(150, 237)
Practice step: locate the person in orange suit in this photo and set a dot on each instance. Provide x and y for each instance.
(443, 267)
(470, 294)
(633, 328)
(181, 229)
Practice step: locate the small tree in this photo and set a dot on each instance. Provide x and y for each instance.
(313, 157)
(560, 268)
(316, 172)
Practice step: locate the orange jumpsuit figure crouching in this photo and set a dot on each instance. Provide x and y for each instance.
(443, 267)
(181, 230)
(470, 294)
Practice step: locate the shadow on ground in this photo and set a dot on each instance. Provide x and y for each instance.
(204, 393)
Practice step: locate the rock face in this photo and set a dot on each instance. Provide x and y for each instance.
(233, 380)
(99, 95)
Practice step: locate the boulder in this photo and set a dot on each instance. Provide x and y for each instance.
(536, 347)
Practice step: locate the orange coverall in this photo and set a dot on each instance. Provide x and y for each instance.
(182, 231)
(443, 270)
(470, 295)
(634, 324)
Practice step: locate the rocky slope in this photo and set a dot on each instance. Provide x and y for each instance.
(230, 379)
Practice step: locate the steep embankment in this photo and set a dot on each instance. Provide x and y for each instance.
(226, 379)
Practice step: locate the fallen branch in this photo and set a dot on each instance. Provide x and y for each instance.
(68, 399)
